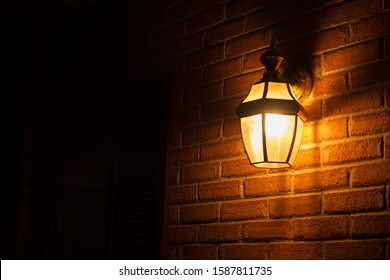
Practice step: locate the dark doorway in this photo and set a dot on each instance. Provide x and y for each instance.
(107, 176)
(15, 57)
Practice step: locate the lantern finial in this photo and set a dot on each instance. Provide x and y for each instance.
(272, 59)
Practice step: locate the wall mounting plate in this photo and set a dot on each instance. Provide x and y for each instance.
(300, 80)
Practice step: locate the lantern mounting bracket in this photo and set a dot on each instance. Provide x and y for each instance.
(299, 78)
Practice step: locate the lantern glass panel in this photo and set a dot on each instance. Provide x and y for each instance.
(278, 91)
(256, 92)
(252, 135)
(297, 142)
(279, 131)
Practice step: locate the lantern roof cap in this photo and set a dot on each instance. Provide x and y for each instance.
(272, 59)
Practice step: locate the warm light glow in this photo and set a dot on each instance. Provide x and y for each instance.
(279, 131)
(276, 125)
(271, 116)
(269, 138)
(251, 129)
(278, 91)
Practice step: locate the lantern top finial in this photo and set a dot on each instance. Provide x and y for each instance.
(272, 59)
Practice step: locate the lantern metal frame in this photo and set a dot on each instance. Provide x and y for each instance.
(299, 83)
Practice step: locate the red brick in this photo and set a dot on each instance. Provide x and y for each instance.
(172, 66)
(184, 10)
(243, 251)
(184, 45)
(321, 228)
(371, 27)
(387, 146)
(232, 127)
(247, 43)
(182, 195)
(239, 167)
(355, 250)
(201, 212)
(182, 234)
(315, 64)
(352, 151)
(199, 173)
(220, 191)
(327, 130)
(206, 19)
(267, 185)
(185, 155)
(205, 56)
(370, 226)
(269, 15)
(173, 215)
(201, 133)
(223, 149)
(224, 31)
(202, 94)
(199, 251)
(220, 109)
(349, 11)
(314, 110)
(326, 40)
(321, 180)
(177, 100)
(387, 46)
(351, 201)
(220, 232)
(307, 158)
(295, 251)
(159, 5)
(241, 8)
(252, 62)
(213, 3)
(186, 117)
(370, 174)
(266, 230)
(304, 6)
(352, 103)
(370, 124)
(244, 210)
(353, 55)
(369, 75)
(168, 33)
(224, 69)
(387, 97)
(240, 85)
(291, 206)
(331, 84)
(176, 138)
(296, 26)
(388, 197)
(186, 80)
(174, 177)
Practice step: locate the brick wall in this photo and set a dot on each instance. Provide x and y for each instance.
(334, 202)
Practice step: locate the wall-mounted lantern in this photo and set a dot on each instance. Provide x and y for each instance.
(271, 116)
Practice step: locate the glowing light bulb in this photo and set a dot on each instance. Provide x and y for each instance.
(276, 125)
(279, 131)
